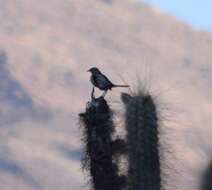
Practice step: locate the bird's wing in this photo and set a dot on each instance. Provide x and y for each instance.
(106, 80)
(103, 81)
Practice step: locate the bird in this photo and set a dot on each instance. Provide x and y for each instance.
(99, 80)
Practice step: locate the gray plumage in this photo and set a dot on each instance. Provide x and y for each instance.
(100, 81)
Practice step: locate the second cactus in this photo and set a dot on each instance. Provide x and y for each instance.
(141, 123)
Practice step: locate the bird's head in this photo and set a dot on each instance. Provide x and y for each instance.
(94, 70)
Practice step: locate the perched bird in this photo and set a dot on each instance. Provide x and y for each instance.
(100, 81)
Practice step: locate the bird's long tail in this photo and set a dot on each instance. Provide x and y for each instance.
(124, 86)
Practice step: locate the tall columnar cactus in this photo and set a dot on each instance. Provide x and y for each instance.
(207, 179)
(100, 149)
(142, 137)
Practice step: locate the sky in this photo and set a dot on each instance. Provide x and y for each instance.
(196, 12)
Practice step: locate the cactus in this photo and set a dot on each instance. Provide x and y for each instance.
(142, 138)
(100, 149)
(207, 179)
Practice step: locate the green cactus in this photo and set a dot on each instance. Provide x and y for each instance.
(100, 149)
(141, 123)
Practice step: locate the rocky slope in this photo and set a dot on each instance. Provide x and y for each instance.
(46, 47)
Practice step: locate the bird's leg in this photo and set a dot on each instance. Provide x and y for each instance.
(92, 93)
(104, 93)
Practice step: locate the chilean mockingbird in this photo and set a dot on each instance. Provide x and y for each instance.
(100, 81)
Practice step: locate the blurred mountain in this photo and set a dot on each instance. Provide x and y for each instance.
(46, 48)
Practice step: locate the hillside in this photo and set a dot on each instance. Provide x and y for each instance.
(46, 48)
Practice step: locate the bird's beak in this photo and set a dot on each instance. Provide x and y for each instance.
(88, 70)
